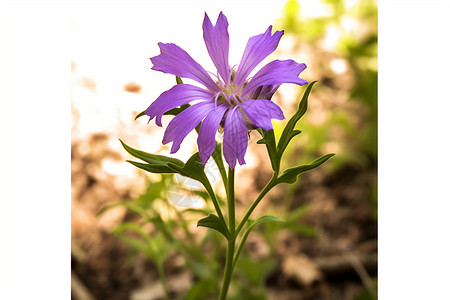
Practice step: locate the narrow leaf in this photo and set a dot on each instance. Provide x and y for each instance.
(214, 222)
(151, 158)
(269, 140)
(263, 219)
(120, 230)
(142, 113)
(175, 111)
(127, 204)
(289, 131)
(217, 156)
(252, 225)
(192, 169)
(290, 175)
(139, 245)
(153, 168)
(178, 79)
(297, 213)
(301, 228)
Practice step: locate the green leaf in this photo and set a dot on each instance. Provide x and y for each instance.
(139, 245)
(290, 175)
(202, 194)
(127, 204)
(297, 213)
(142, 113)
(175, 111)
(269, 140)
(202, 289)
(192, 169)
(289, 131)
(214, 222)
(263, 219)
(196, 210)
(301, 229)
(178, 79)
(119, 230)
(252, 224)
(217, 156)
(152, 168)
(151, 158)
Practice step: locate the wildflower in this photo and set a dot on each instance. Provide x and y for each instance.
(231, 101)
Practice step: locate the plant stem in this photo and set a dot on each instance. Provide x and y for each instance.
(231, 241)
(231, 202)
(162, 277)
(266, 189)
(217, 156)
(210, 191)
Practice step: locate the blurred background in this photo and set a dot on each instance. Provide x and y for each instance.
(120, 245)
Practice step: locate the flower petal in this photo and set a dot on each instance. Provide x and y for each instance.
(184, 122)
(176, 61)
(218, 44)
(207, 134)
(258, 48)
(178, 95)
(276, 72)
(260, 112)
(235, 138)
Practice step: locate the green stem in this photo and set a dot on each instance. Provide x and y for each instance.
(266, 189)
(210, 191)
(231, 241)
(240, 247)
(217, 156)
(228, 270)
(162, 277)
(231, 202)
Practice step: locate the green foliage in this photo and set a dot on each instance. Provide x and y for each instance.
(155, 163)
(276, 150)
(269, 140)
(355, 30)
(250, 278)
(192, 169)
(142, 113)
(212, 221)
(289, 131)
(252, 224)
(158, 244)
(291, 174)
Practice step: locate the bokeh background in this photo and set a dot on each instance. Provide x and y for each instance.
(329, 251)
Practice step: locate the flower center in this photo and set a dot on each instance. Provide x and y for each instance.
(229, 94)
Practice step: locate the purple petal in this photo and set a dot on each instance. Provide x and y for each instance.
(178, 95)
(176, 61)
(260, 112)
(218, 44)
(276, 72)
(235, 138)
(185, 122)
(207, 134)
(258, 48)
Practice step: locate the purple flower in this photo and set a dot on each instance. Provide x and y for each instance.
(232, 101)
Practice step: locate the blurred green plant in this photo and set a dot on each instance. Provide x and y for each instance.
(342, 40)
(353, 27)
(159, 241)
